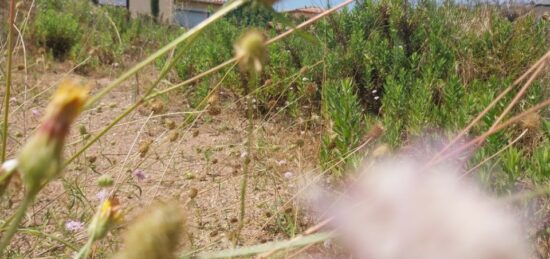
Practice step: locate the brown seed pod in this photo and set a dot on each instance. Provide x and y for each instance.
(173, 135)
(214, 99)
(192, 194)
(144, 147)
(531, 121)
(214, 110)
(170, 124)
(91, 159)
(157, 107)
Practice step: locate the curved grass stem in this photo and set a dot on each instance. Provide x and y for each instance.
(6, 238)
(8, 82)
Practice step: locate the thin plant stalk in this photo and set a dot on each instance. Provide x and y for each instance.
(249, 148)
(8, 82)
(496, 129)
(85, 250)
(519, 95)
(18, 217)
(490, 106)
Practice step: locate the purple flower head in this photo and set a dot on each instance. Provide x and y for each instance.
(36, 113)
(74, 226)
(102, 195)
(139, 174)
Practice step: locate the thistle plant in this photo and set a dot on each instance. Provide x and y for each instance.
(41, 159)
(250, 52)
(107, 216)
(155, 234)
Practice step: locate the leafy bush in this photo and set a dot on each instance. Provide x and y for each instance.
(345, 122)
(57, 31)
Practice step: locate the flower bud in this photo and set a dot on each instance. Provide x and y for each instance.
(105, 181)
(250, 50)
(108, 214)
(156, 234)
(40, 160)
(7, 170)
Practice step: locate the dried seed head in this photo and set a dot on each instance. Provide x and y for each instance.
(214, 99)
(214, 110)
(193, 192)
(40, 159)
(170, 124)
(375, 131)
(173, 135)
(91, 159)
(156, 234)
(531, 121)
(82, 129)
(157, 107)
(144, 147)
(250, 51)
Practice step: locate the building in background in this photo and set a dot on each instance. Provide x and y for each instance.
(542, 9)
(189, 13)
(120, 3)
(186, 13)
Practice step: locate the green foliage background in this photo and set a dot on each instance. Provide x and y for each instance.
(411, 68)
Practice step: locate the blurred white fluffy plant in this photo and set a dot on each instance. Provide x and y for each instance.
(397, 211)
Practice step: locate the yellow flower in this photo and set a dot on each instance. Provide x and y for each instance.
(108, 215)
(40, 160)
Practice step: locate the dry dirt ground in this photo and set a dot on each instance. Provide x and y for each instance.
(200, 165)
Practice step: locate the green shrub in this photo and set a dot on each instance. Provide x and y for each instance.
(344, 117)
(57, 31)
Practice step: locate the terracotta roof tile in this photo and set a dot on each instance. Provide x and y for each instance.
(220, 2)
(313, 10)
